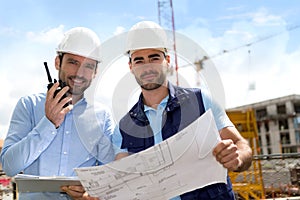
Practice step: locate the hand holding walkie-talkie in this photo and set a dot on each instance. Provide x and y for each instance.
(61, 84)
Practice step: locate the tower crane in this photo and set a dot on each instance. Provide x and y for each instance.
(166, 19)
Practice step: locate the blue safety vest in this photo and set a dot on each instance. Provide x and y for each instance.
(184, 106)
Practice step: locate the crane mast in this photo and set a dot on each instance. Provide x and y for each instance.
(166, 20)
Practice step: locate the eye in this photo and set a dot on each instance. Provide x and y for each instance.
(73, 62)
(139, 62)
(90, 66)
(155, 59)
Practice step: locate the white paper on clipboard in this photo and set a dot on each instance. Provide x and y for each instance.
(30, 183)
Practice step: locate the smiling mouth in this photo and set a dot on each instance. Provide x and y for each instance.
(77, 81)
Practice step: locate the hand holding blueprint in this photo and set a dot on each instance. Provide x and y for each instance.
(177, 165)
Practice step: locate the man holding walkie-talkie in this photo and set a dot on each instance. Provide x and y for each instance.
(52, 133)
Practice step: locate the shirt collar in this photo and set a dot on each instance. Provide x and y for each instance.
(163, 104)
(81, 101)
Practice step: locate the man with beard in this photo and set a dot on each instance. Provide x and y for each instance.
(164, 109)
(52, 133)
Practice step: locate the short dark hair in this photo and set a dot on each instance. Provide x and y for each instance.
(162, 52)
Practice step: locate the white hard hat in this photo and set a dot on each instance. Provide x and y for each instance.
(81, 41)
(146, 35)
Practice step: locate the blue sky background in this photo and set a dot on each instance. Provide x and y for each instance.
(31, 29)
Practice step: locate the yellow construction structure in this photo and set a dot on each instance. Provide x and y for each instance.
(248, 184)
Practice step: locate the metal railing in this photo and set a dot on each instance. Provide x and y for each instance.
(280, 175)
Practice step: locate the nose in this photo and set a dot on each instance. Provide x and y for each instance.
(81, 71)
(147, 66)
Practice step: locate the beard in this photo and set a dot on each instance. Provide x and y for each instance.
(77, 90)
(151, 85)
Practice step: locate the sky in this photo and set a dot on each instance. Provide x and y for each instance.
(253, 45)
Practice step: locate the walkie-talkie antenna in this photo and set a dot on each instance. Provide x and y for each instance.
(48, 73)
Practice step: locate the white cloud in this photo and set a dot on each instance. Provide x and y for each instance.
(263, 18)
(236, 8)
(6, 103)
(119, 30)
(22, 71)
(47, 36)
(141, 17)
(253, 50)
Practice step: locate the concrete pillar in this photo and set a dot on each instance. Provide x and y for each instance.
(290, 111)
(264, 144)
(274, 130)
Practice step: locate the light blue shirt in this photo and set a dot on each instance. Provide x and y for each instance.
(155, 117)
(34, 146)
(219, 114)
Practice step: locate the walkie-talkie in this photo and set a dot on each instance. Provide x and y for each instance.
(50, 84)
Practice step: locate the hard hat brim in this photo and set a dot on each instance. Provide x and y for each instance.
(79, 54)
(130, 52)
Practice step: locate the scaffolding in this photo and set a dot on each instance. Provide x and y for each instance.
(248, 184)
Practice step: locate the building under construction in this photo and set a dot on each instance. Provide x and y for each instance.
(272, 128)
(278, 123)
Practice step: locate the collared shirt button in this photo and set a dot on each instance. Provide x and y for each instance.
(67, 132)
(65, 153)
(53, 132)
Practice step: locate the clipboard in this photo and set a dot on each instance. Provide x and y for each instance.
(30, 183)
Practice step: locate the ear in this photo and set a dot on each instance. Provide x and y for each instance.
(96, 70)
(130, 66)
(168, 59)
(57, 62)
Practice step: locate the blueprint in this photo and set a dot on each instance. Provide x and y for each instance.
(177, 165)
